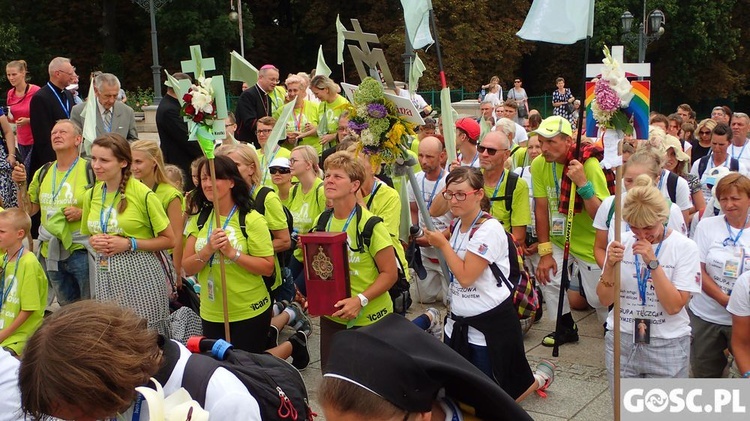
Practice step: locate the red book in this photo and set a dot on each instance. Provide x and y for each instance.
(326, 260)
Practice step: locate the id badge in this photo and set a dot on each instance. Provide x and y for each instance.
(103, 263)
(558, 226)
(642, 331)
(731, 268)
(210, 288)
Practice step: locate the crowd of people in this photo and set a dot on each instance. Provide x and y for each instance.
(118, 221)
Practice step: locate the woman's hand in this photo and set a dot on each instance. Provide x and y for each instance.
(72, 213)
(11, 159)
(109, 245)
(349, 308)
(326, 139)
(218, 241)
(22, 121)
(435, 238)
(643, 248)
(615, 252)
(19, 173)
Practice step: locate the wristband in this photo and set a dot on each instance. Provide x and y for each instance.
(133, 244)
(544, 249)
(237, 255)
(746, 375)
(586, 191)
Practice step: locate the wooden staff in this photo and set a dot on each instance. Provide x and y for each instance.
(222, 269)
(616, 309)
(26, 207)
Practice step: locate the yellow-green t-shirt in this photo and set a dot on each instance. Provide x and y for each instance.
(584, 233)
(27, 291)
(362, 268)
(276, 220)
(167, 193)
(279, 152)
(328, 114)
(277, 97)
(247, 295)
(520, 203)
(299, 118)
(144, 216)
(305, 208)
(387, 205)
(56, 192)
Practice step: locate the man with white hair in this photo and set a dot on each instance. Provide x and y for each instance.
(255, 103)
(113, 116)
(51, 103)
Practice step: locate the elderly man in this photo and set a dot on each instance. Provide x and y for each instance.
(739, 139)
(113, 116)
(255, 103)
(51, 103)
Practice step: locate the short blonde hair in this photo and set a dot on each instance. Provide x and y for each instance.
(247, 155)
(175, 176)
(507, 126)
(324, 82)
(730, 181)
(19, 219)
(347, 162)
(645, 206)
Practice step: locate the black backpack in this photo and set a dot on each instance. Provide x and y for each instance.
(510, 187)
(276, 385)
(260, 206)
(399, 292)
(297, 187)
(90, 176)
(734, 165)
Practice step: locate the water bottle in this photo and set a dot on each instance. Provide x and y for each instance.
(483, 94)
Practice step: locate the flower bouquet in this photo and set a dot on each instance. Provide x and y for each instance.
(612, 94)
(382, 132)
(200, 108)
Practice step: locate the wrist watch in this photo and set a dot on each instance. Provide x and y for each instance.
(652, 265)
(363, 301)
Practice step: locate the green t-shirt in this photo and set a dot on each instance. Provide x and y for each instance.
(305, 208)
(519, 157)
(247, 295)
(299, 118)
(387, 205)
(167, 193)
(362, 268)
(265, 178)
(277, 97)
(56, 192)
(276, 220)
(584, 233)
(328, 114)
(27, 291)
(144, 217)
(520, 203)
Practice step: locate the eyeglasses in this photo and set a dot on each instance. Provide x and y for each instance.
(263, 131)
(459, 196)
(343, 128)
(516, 81)
(490, 151)
(279, 170)
(292, 161)
(704, 133)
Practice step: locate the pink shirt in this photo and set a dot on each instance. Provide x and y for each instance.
(19, 107)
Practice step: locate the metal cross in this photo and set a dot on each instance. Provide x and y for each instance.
(373, 58)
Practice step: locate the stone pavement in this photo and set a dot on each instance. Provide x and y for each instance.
(580, 391)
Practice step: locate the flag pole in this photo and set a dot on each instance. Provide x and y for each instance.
(616, 304)
(565, 281)
(222, 269)
(443, 81)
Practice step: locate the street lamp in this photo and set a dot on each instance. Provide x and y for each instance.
(236, 16)
(648, 30)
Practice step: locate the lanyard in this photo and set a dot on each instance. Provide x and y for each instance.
(643, 277)
(137, 408)
(57, 189)
(473, 160)
(434, 188)
(346, 224)
(741, 151)
(463, 237)
(376, 186)
(298, 120)
(557, 182)
(3, 290)
(104, 222)
(210, 229)
(497, 186)
(661, 179)
(729, 241)
(66, 106)
(711, 160)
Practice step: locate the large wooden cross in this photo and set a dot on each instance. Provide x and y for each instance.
(374, 58)
(197, 65)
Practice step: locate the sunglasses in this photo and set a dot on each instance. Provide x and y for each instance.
(279, 170)
(702, 133)
(490, 151)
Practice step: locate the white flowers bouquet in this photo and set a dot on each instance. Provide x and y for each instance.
(199, 102)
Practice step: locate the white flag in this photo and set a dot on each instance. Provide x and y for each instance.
(417, 20)
(340, 40)
(558, 21)
(322, 68)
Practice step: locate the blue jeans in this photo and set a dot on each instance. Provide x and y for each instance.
(71, 279)
(285, 291)
(298, 274)
(480, 357)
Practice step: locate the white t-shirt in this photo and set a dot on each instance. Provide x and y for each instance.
(739, 301)
(10, 403)
(676, 221)
(682, 192)
(226, 397)
(678, 257)
(740, 153)
(723, 263)
(483, 294)
(474, 162)
(520, 135)
(525, 173)
(430, 189)
(494, 98)
(707, 194)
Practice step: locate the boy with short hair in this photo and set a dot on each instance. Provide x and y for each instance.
(23, 284)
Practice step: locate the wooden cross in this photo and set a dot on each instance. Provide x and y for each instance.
(631, 69)
(373, 58)
(197, 65)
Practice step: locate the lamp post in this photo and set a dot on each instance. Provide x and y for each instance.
(648, 30)
(151, 6)
(236, 16)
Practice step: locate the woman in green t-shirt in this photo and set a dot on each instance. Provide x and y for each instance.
(331, 106)
(148, 166)
(306, 201)
(127, 225)
(247, 251)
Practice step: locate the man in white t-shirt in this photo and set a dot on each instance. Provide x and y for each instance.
(10, 403)
(510, 111)
(431, 182)
(740, 142)
(718, 157)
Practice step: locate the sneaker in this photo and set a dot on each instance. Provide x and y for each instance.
(568, 335)
(300, 354)
(279, 306)
(436, 325)
(301, 322)
(545, 370)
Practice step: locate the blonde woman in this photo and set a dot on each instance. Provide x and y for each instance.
(148, 166)
(332, 104)
(18, 102)
(301, 128)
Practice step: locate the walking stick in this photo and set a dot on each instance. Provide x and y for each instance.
(26, 207)
(222, 269)
(616, 309)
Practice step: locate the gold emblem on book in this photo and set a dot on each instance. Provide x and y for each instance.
(322, 264)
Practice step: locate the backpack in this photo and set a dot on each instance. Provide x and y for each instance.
(90, 176)
(276, 385)
(260, 206)
(399, 292)
(734, 165)
(524, 295)
(510, 188)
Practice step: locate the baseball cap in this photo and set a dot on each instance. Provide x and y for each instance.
(280, 162)
(470, 126)
(553, 126)
(671, 142)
